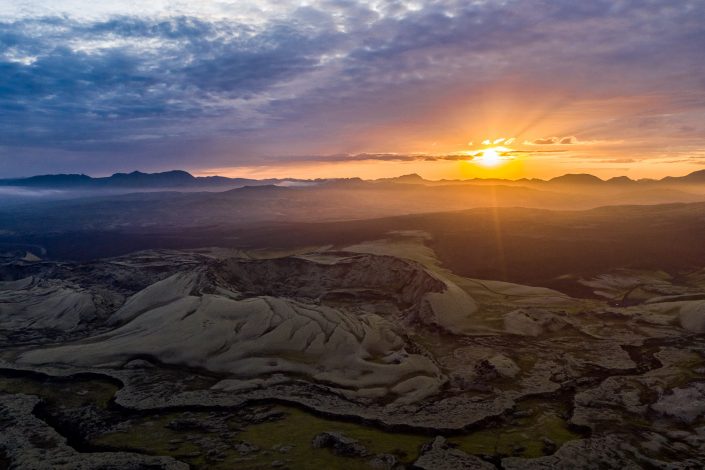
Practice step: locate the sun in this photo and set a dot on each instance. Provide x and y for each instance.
(489, 157)
(492, 156)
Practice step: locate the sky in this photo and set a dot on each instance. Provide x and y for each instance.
(333, 88)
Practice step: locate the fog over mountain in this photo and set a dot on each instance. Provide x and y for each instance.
(350, 319)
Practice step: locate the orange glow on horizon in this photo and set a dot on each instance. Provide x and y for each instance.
(516, 168)
(497, 158)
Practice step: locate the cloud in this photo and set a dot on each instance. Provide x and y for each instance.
(385, 157)
(542, 141)
(90, 86)
(568, 140)
(127, 74)
(619, 160)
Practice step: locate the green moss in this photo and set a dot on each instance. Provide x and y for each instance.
(151, 435)
(523, 436)
(288, 426)
(62, 392)
(298, 429)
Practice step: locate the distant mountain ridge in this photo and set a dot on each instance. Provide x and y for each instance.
(136, 179)
(694, 177)
(176, 179)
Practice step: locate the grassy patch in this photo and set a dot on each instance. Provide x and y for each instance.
(298, 429)
(524, 436)
(62, 392)
(285, 436)
(294, 431)
(151, 435)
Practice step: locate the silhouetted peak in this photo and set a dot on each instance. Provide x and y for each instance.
(577, 178)
(410, 177)
(138, 178)
(698, 176)
(51, 181)
(620, 180)
(170, 173)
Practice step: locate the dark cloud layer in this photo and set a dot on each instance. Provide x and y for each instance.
(123, 92)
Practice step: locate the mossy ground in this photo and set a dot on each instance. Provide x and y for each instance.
(526, 436)
(285, 427)
(293, 431)
(61, 392)
(298, 429)
(151, 435)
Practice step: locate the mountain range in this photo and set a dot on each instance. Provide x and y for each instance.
(176, 179)
(136, 179)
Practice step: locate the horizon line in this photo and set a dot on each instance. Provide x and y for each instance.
(195, 175)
